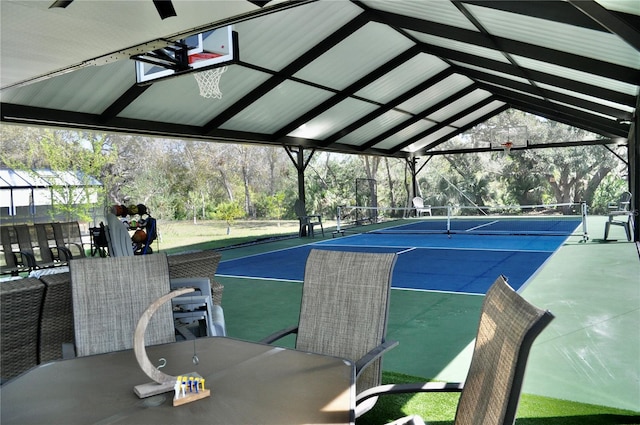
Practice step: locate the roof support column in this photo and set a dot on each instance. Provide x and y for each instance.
(413, 162)
(634, 170)
(300, 162)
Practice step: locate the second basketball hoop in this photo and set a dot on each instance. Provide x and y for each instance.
(507, 147)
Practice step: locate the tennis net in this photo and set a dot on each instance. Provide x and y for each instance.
(549, 219)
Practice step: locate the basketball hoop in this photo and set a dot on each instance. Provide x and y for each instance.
(507, 147)
(208, 81)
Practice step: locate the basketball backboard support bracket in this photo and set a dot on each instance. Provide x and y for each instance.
(211, 49)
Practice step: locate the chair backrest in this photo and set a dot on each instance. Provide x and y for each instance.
(44, 233)
(20, 305)
(119, 240)
(624, 203)
(23, 234)
(508, 326)
(418, 202)
(109, 296)
(9, 247)
(344, 308)
(68, 235)
(299, 208)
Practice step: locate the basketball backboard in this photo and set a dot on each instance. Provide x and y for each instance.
(209, 49)
(509, 137)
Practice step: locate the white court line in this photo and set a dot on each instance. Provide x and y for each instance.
(482, 225)
(442, 248)
(234, 276)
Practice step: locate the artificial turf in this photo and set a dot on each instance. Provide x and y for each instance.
(440, 408)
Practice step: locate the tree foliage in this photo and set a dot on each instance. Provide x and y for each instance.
(199, 180)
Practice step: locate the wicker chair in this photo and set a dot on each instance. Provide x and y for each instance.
(344, 311)
(508, 326)
(20, 304)
(56, 322)
(109, 297)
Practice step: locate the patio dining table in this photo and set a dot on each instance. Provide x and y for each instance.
(250, 383)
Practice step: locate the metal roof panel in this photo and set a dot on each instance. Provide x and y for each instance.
(276, 108)
(402, 78)
(374, 43)
(333, 119)
(554, 35)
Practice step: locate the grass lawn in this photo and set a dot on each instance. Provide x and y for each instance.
(436, 409)
(176, 236)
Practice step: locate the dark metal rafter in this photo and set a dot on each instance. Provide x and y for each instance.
(544, 54)
(349, 91)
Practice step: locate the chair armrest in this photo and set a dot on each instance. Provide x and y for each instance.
(63, 254)
(26, 258)
(280, 334)
(372, 355)
(419, 387)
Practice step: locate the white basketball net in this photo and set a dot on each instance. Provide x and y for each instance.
(208, 82)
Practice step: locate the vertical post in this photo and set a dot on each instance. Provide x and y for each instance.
(301, 164)
(414, 178)
(585, 234)
(301, 167)
(634, 170)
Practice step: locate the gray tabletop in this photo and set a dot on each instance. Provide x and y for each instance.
(250, 383)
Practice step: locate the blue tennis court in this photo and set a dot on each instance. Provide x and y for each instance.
(455, 262)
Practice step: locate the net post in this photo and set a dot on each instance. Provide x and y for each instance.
(448, 219)
(584, 208)
(338, 220)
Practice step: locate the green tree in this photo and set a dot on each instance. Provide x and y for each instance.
(229, 212)
(87, 155)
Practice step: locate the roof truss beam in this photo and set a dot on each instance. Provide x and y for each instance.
(568, 60)
(539, 76)
(349, 91)
(386, 108)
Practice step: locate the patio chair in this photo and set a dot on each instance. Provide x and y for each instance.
(620, 214)
(68, 235)
(27, 242)
(50, 250)
(202, 267)
(20, 305)
(421, 208)
(15, 260)
(109, 296)
(56, 318)
(344, 311)
(489, 396)
(307, 221)
(197, 308)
